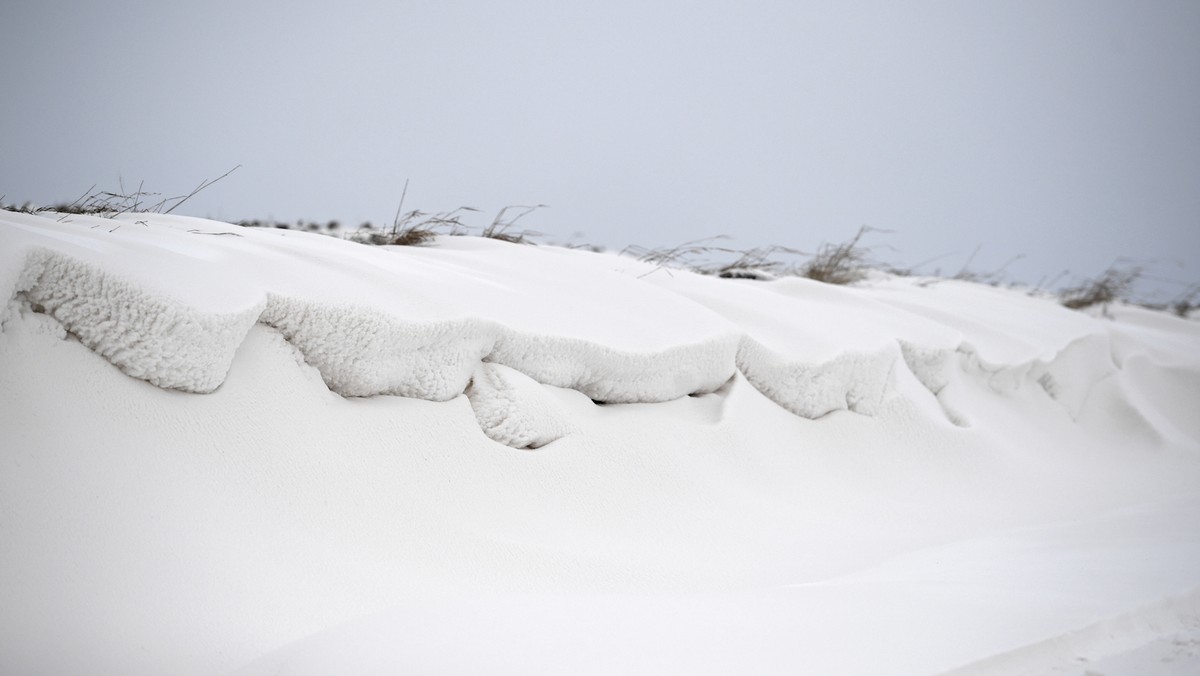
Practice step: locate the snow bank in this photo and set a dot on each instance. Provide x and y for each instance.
(756, 526)
(418, 322)
(372, 321)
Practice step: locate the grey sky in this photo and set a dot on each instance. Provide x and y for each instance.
(1065, 131)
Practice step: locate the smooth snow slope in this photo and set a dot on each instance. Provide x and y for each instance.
(205, 461)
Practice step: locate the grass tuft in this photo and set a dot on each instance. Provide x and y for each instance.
(1187, 301)
(1114, 284)
(757, 263)
(679, 256)
(501, 228)
(844, 263)
(418, 228)
(993, 278)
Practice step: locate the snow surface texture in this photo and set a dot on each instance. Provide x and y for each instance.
(162, 342)
(735, 475)
(512, 409)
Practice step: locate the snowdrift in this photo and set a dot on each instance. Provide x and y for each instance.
(220, 440)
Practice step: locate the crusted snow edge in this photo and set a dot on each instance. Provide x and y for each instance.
(359, 351)
(149, 337)
(855, 381)
(362, 352)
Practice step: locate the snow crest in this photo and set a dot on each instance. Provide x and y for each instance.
(620, 376)
(361, 352)
(497, 321)
(145, 335)
(854, 381)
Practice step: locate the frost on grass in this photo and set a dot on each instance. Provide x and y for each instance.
(513, 409)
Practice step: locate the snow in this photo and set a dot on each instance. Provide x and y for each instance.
(513, 409)
(256, 451)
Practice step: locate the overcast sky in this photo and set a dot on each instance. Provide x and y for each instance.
(1068, 132)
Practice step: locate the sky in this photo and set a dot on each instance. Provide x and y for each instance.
(1065, 133)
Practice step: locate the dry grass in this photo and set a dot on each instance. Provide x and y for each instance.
(993, 278)
(501, 228)
(844, 263)
(414, 228)
(109, 203)
(758, 263)
(1187, 301)
(419, 228)
(1114, 284)
(687, 255)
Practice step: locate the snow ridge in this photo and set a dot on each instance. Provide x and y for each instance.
(1068, 377)
(431, 324)
(146, 336)
(619, 376)
(362, 352)
(854, 381)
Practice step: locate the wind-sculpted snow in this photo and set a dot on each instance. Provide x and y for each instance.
(361, 352)
(856, 381)
(513, 409)
(924, 446)
(370, 320)
(145, 335)
(811, 348)
(933, 369)
(618, 376)
(170, 299)
(1070, 377)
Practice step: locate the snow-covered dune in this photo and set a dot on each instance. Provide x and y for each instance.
(277, 452)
